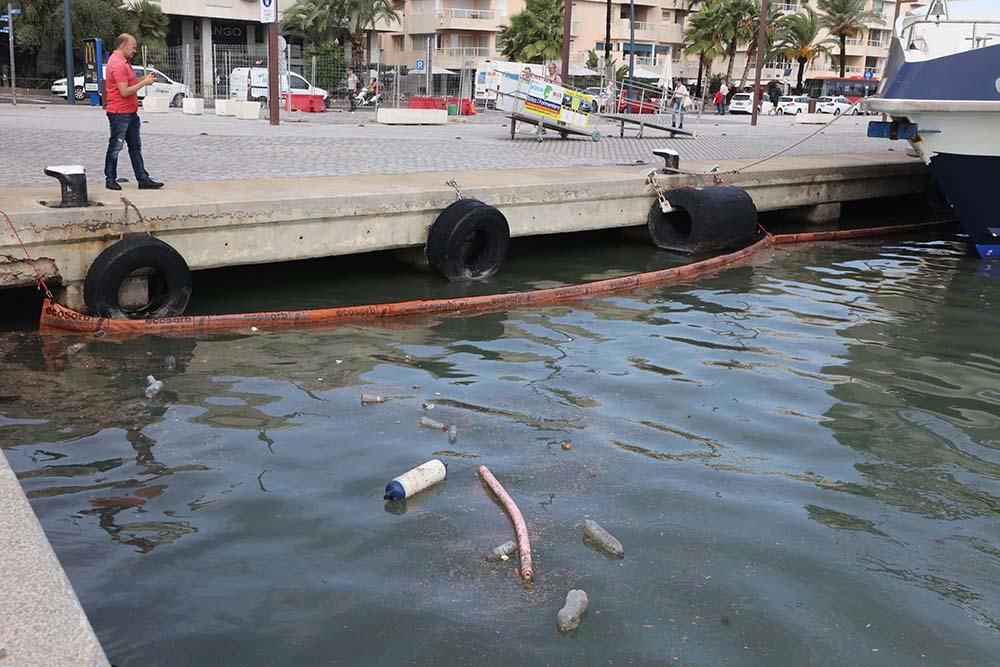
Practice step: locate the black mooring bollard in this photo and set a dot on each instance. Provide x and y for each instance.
(671, 159)
(73, 181)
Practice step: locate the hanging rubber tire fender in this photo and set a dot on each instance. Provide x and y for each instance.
(169, 279)
(468, 241)
(707, 219)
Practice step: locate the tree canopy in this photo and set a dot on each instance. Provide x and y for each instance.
(535, 35)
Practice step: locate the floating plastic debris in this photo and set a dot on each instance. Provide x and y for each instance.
(428, 405)
(170, 362)
(371, 398)
(606, 541)
(502, 552)
(430, 423)
(416, 480)
(75, 347)
(452, 434)
(153, 386)
(570, 616)
(516, 518)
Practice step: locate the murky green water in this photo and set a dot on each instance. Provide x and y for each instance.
(801, 458)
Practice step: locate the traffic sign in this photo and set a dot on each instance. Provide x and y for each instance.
(869, 74)
(420, 67)
(268, 11)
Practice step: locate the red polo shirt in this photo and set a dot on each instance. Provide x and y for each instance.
(118, 70)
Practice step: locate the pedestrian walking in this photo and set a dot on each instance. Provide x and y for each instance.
(718, 102)
(352, 88)
(678, 102)
(724, 89)
(121, 91)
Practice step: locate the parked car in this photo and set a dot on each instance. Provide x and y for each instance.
(742, 103)
(633, 101)
(600, 96)
(793, 105)
(164, 86)
(834, 105)
(257, 78)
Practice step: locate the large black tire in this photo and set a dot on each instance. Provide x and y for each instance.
(468, 241)
(708, 219)
(169, 279)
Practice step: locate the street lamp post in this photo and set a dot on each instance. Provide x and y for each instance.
(631, 39)
(68, 28)
(761, 47)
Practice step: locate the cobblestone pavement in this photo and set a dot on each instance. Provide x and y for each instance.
(179, 147)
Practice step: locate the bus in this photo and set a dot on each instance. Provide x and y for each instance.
(853, 88)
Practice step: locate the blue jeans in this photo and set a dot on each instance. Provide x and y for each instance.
(124, 130)
(678, 105)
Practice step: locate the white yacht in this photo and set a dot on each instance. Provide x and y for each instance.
(941, 87)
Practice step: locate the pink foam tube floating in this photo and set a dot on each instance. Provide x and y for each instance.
(416, 480)
(520, 528)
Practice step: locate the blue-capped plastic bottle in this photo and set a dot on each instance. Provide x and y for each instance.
(416, 480)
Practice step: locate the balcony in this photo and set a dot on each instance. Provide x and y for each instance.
(645, 31)
(462, 56)
(418, 23)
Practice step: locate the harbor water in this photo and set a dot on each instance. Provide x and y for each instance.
(800, 457)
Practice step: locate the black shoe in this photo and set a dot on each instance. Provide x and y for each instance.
(112, 185)
(149, 185)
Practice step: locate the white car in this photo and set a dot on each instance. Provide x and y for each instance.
(793, 106)
(741, 103)
(164, 86)
(600, 96)
(834, 105)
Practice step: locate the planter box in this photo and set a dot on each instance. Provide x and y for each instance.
(246, 110)
(412, 116)
(813, 118)
(194, 106)
(225, 107)
(156, 104)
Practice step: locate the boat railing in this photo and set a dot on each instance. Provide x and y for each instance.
(980, 37)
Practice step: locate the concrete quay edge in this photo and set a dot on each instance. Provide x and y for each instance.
(44, 624)
(225, 223)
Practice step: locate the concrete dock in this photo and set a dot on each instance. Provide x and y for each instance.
(226, 223)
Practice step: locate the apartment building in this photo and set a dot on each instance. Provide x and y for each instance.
(464, 32)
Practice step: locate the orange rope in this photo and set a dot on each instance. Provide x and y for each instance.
(520, 528)
(38, 274)
(56, 318)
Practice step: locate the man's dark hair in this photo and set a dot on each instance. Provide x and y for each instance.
(121, 39)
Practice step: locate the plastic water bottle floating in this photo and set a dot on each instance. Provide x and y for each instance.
(371, 398)
(153, 386)
(414, 481)
(431, 423)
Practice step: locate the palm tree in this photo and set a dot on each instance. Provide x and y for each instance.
(360, 19)
(844, 19)
(315, 21)
(738, 27)
(705, 36)
(149, 23)
(772, 22)
(321, 22)
(798, 40)
(534, 35)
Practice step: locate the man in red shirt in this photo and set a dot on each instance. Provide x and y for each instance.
(123, 114)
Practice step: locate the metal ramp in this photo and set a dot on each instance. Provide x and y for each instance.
(622, 120)
(563, 130)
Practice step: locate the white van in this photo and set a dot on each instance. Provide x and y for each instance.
(256, 77)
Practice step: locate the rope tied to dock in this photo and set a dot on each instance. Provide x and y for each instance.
(38, 274)
(128, 203)
(520, 528)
